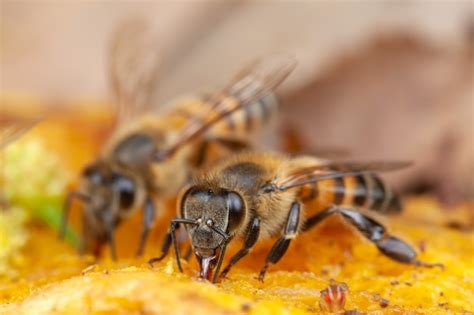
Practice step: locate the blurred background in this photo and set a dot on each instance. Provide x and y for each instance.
(380, 79)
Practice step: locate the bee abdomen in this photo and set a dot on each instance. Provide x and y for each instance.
(254, 116)
(240, 122)
(381, 197)
(363, 191)
(370, 192)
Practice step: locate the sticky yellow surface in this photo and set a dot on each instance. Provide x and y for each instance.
(53, 277)
(50, 278)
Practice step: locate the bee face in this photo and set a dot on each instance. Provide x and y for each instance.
(221, 209)
(103, 185)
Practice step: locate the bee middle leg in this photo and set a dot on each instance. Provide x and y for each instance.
(148, 220)
(67, 208)
(250, 240)
(375, 232)
(281, 245)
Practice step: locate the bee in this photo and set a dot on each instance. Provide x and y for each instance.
(255, 195)
(151, 156)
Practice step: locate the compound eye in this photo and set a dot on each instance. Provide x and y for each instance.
(236, 207)
(184, 199)
(93, 174)
(126, 189)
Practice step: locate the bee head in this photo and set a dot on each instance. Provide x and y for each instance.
(109, 192)
(217, 214)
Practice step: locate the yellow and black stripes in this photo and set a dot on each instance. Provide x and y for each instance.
(252, 117)
(362, 191)
(241, 122)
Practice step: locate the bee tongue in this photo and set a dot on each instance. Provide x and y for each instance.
(207, 264)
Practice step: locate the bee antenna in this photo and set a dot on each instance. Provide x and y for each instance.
(220, 232)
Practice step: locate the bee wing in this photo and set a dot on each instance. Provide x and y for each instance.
(253, 82)
(12, 131)
(333, 170)
(133, 70)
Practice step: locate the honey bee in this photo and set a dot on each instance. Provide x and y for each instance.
(256, 195)
(151, 156)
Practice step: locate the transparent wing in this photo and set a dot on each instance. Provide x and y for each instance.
(11, 131)
(330, 170)
(134, 64)
(252, 83)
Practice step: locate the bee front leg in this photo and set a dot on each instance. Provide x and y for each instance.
(250, 240)
(148, 220)
(67, 209)
(165, 248)
(110, 233)
(281, 245)
(86, 237)
(170, 238)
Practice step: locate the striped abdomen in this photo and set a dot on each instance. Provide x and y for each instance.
(252, 117)
(366, 191)
(240, 123)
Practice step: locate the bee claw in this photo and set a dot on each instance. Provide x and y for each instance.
(152, 261)
(261, 276)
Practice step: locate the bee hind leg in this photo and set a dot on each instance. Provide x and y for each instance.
(389, 245)
(250, 240)
(281, 245)
(148, 220)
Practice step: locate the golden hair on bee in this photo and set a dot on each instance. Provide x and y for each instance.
(256, 195)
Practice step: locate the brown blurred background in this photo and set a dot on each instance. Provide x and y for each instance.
(381, 79)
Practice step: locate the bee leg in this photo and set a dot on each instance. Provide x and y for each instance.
(281, 245)
(232, 144)
(250, 240)
(165, 248)
(171, 239)
(148, 220)
(375, 232)
(388, 245)
(67, 210)
(85, 241)
(111, 238)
